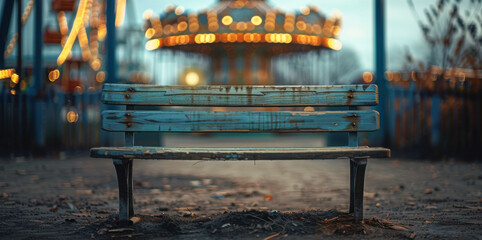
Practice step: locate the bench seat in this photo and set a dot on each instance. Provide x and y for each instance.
(226, 154)
(196, 111)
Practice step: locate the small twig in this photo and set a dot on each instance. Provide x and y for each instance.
(198, 162)
(272, 236)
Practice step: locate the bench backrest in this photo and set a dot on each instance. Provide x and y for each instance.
(130, 120)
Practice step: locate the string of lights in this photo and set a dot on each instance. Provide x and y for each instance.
(13, 40)
(89, 13)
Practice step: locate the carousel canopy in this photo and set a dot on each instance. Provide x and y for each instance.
(242, 22)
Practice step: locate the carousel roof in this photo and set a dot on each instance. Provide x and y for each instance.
(242, 22)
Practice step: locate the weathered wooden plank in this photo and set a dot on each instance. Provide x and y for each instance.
(174, 153)
(328, 95)
(159, 121)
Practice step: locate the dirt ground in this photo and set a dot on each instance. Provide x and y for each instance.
(75, 197)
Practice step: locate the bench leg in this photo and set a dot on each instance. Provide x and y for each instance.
(123, 168)
(357, 180)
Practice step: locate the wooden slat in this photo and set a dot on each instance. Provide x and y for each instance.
(330, 95)
(159, 121)
(173, 153)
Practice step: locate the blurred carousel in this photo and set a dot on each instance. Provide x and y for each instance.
(241, 42)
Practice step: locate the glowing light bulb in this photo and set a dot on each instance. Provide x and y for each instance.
(179, 10)
(192, 78)
(256, 20)
(227, 20)
(72, 116)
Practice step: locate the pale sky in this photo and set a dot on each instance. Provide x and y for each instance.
(358, 22)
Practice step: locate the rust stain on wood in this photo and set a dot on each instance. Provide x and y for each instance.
(354, 119)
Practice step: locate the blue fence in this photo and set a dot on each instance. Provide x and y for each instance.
(70, 121)
(435, 115)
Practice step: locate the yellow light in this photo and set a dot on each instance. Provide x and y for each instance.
(120, 13)
(101, 32)
(334, 44)
(197, 38)
(256, 20)
(13, 92)
(257, 37)
(227, 20)
(6, 73)
(241, 26)
(14, 78)
(192, 78)
(301, 25)
(270, 16)
(72, 116)
(64, 28)
(27, 11)
(267, 37)
(210, 38)
(232, 37)
(224, 37)
(289, 27)
(278, 38)
(283, 38)
(84, 44)
(179, 10)
(305, 10)
(248, 37)
(203, 38)
(182, 26)
(289, 38)
(147, 14)
(153, 44)
(78, 22)
(150, 32)
(54, 75)
(367, 77)
(170, 41)
(315, 41)
(336, 30)
(95, 64)
(100, 77)
(184, 39)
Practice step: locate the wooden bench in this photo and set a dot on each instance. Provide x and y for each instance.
(130, 121)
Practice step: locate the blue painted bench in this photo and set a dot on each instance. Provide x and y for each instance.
(131, 121)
